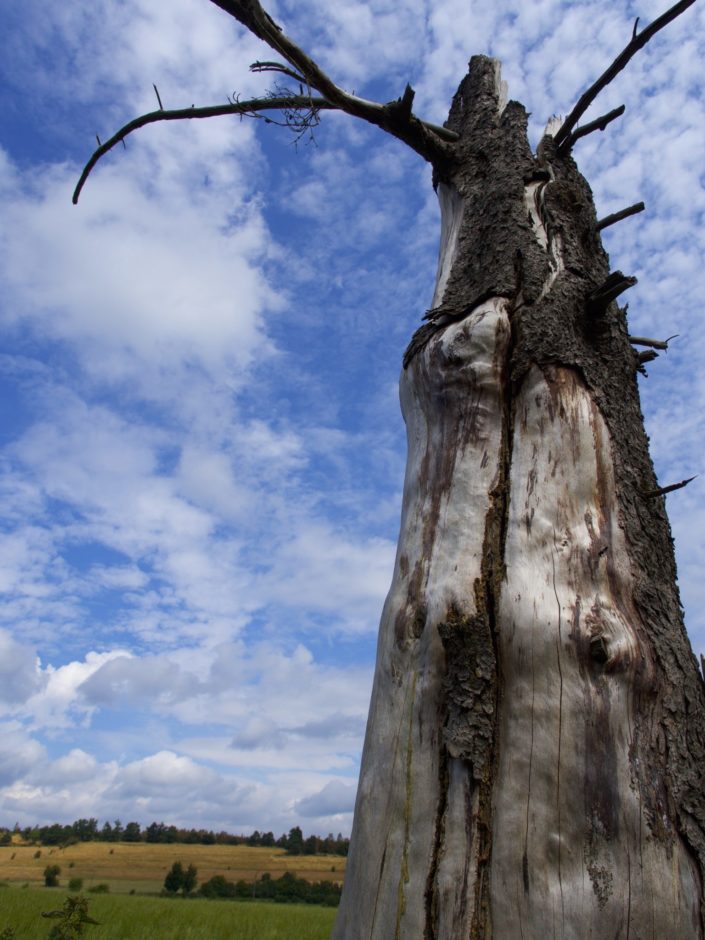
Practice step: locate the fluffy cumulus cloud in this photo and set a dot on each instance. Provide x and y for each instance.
(201, 454)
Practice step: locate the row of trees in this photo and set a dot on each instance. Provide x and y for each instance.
(286, 889)
(88, 830)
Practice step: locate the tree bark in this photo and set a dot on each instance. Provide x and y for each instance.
(534, 752)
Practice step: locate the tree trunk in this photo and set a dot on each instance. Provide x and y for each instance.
(536, 741)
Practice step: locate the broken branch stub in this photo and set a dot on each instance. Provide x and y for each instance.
(618, 216)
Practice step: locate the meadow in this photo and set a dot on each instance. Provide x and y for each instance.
(152, 918)
(141, 867)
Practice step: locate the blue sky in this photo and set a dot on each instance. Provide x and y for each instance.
(201, 447)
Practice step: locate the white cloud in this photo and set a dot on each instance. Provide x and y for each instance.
(58, 704)
(171, 285)
(19, 670)
(335, 798)
(19, 754)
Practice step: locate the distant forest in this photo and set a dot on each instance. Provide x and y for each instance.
(88, 830)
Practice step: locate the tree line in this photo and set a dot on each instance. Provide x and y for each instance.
(89, 830)
(287, 889)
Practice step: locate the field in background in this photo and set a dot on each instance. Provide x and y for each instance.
(142, 867)
(139, 918)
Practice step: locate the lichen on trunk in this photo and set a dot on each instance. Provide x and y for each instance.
(532, 763)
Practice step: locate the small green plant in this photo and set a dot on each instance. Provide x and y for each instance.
(75, 884)
(38, 853)
(72, 864)
(73, 918)
(8, 933)
(51, 876)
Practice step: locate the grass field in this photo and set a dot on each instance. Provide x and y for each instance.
(141, 918)
(141, 867)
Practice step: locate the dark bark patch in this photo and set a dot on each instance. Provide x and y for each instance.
(470, 687)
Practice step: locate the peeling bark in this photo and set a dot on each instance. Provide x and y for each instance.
(533, 759)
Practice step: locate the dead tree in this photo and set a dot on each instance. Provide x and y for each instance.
(533, 764)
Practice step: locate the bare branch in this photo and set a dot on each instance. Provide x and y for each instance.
(253, 106)
(599, 124)
(662, 490)
(618, 216)
(647, 356)
(425, 138)
(159, 100)
(655, 343)
(429, 140)
(637, 42)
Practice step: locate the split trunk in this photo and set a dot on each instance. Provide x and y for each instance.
(534, 757)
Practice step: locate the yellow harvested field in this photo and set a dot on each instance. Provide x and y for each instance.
(142, 867)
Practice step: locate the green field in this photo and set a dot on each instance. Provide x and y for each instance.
(128, 917)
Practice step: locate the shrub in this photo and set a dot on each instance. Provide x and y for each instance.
(75, 884)
(174, 880)
(101, 888)
(38, 853)
(51, 875)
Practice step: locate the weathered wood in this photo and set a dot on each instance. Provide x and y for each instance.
(569, 854)
(416, 857)
(531, 762)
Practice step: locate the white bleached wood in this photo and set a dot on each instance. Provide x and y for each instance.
(451, 204)
(549, 241)
(572, 854)
(553, 125)
(451, 406)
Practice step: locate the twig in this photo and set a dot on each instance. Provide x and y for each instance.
(637, 42)
(618, 216)
(662, 490)
(599, 124)
(277, 67)
(647, 356)
(647, 341)
(156, 92)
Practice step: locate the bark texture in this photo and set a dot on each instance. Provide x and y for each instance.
(534, 753)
